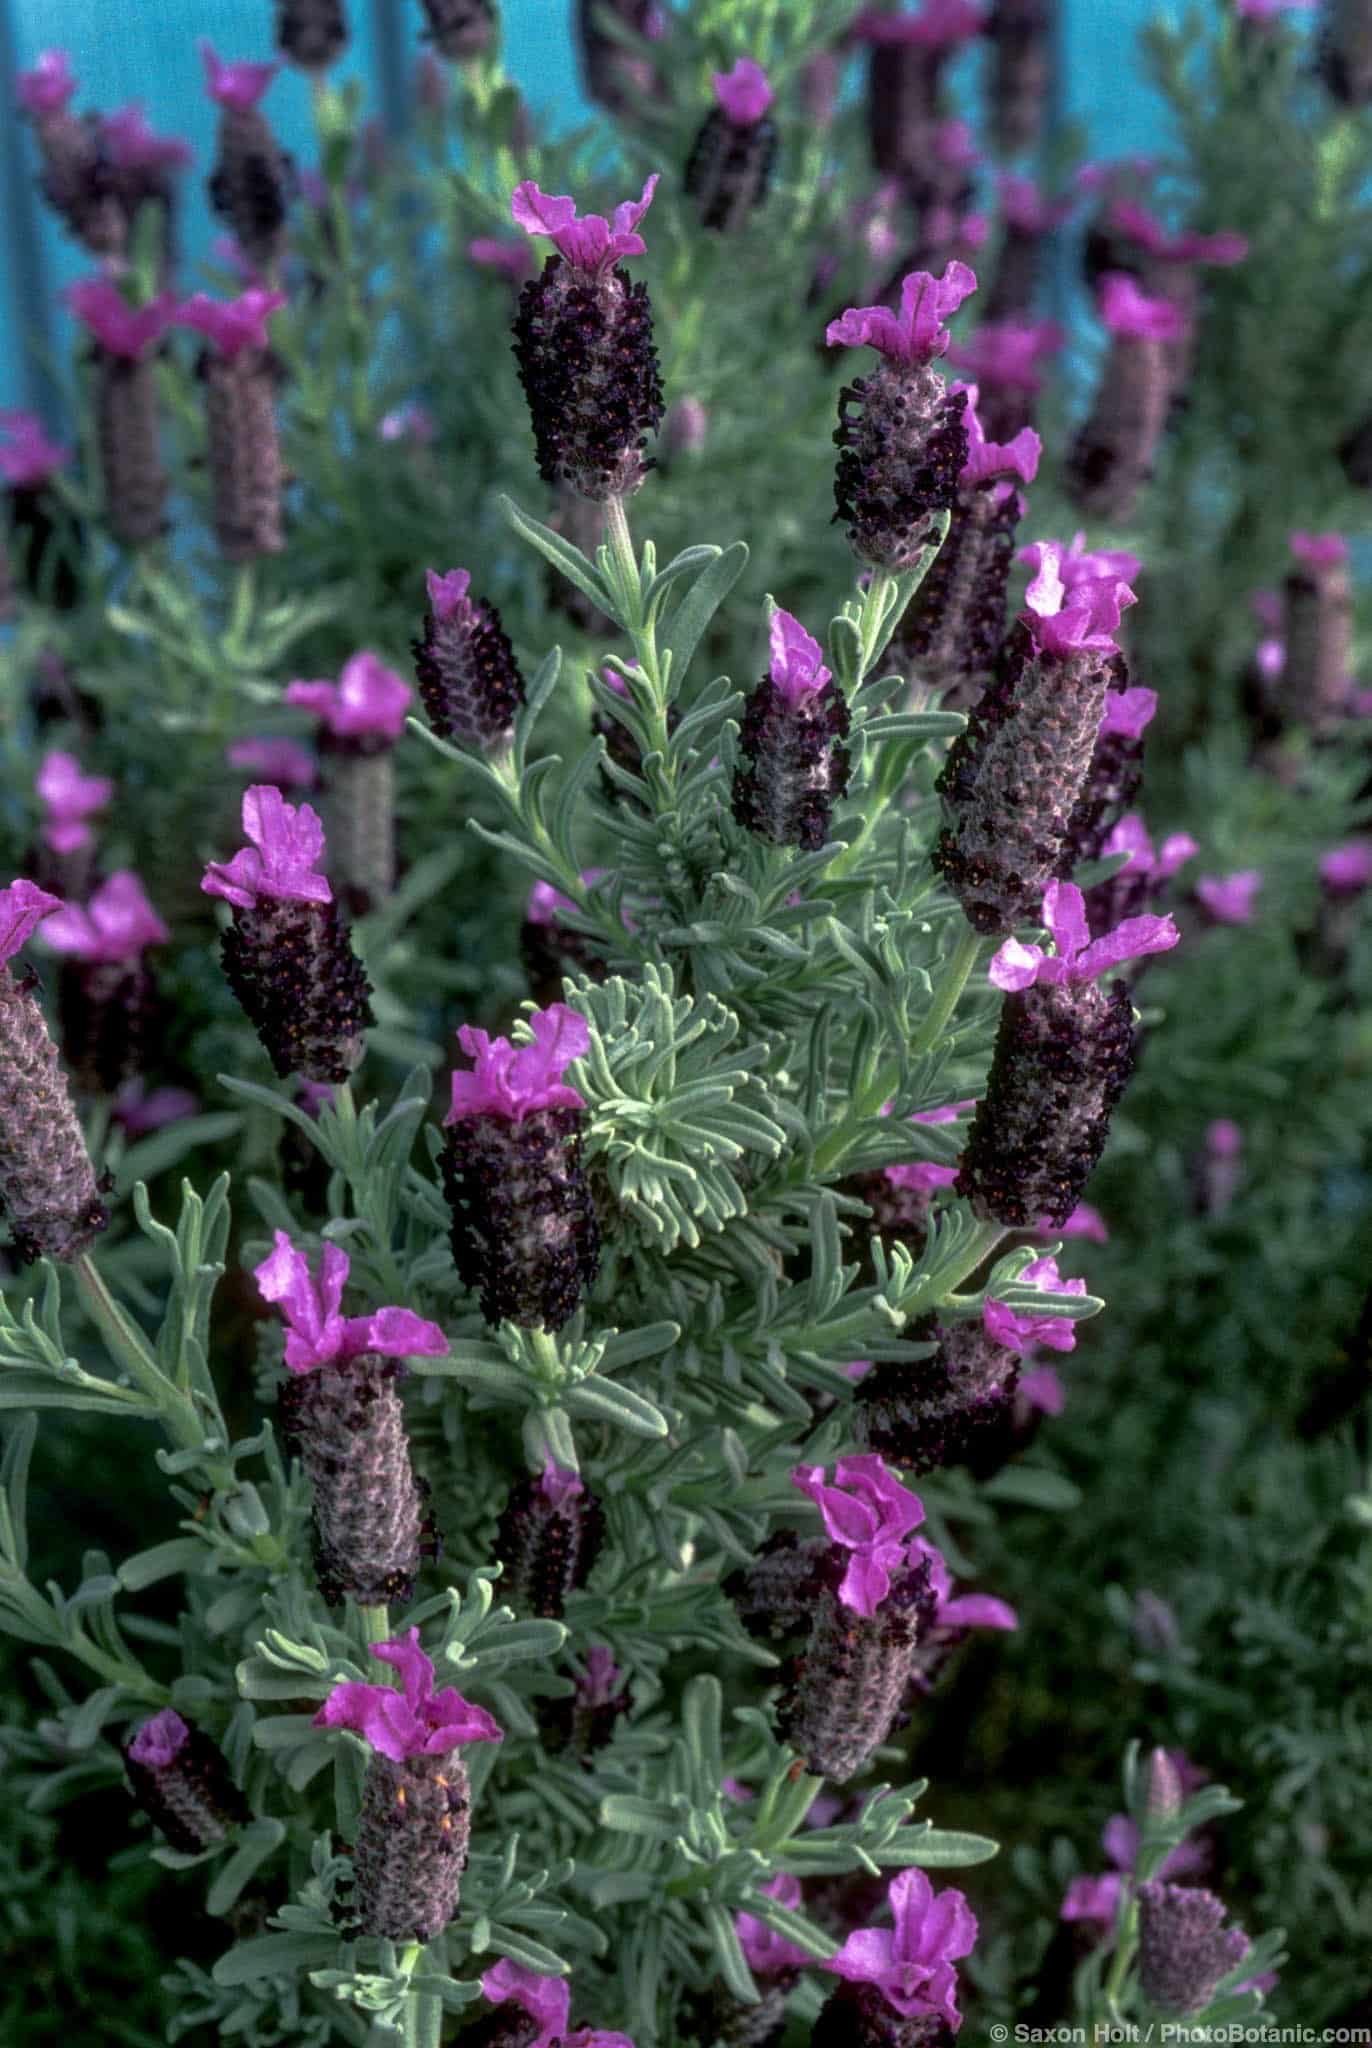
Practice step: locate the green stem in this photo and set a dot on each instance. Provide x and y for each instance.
(376, 1624)
(1126, 1941)
(869, 625)
(428, 2019)
(948, 992)
(621, 543)
(947, 1277)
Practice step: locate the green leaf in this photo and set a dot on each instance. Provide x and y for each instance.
(569, 561)
(163, 1561)
(608, 1402)
(1033, 1486)
(521, 1948)
(274, 1955)
(937, 1849)
(733, 1965)
(256, 1843)
(689, 619)
(628, 1815)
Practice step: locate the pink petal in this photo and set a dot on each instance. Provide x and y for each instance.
(399, 1333)
(23, 906)
(978, 1610)
(1064, 913)
(1042, 1389)
(797, 667)
(744, 93)
(447, 592)
(1131, 940)
(1128, 713)
(866, 1956)
(1015, 966)
(1127, 310)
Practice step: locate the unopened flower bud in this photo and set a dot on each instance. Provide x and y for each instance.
(469, 680)
(730, 165)
(791, 738)
(181, 1780)
(312, 33)
(1165, 1796)
(549, 1535)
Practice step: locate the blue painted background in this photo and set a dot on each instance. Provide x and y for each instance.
(145, 50)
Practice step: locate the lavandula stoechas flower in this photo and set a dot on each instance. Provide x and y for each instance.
(126, 421)
(1063, 1056)
(907, 55)
(343, 1409)
(869, 1606)
(900, 1987)
(523, 1225)
(541, 2006)
(1317, 626)
(940, 1411)
(64, 858)
(311, 33)
(1168, 267)
(107, 997)
(620, 79)
(730, 165)
(1343, 43)
(287, 954)
(584, 346)
(250, 184)
(586, 1721)
(550, 1532)
(75, 178)
(902, 437)
(239, 374)
(1030, 218)
(469, 680)
(1020, 33)
(952, 632)
(1185, 1949)
(460, 30)
(794, 725)
(1013, 777)
(48, 1189)
(1113, 454)
(1113, 778)
(415, 1823)
(28, 525)
(361, 717)
(181, 1780)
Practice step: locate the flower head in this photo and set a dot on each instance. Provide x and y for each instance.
(231, 324)
(48, 87)
(23, 906)
(1230, 899)
(546, 2000)
(1015, 966)
(119, 328)
(1127, 310)
(27, 457)
(868, 1511)
(513, 1081)
(69, 797)
(1319, 550)
(368, 701)
(589, 245)
(281, 761)
(138, 1109)
(1067, 617)
(766, 1951)
(1348, 868)
(1020, 1331)
(987, 459)
(287, 840)
(415, 1722)
(744, 94)
(912, 1961)
(116, 925)
(160, 1740)
(917, 333)
(318, 1333)
(235, 86)
(797, 668)
(133, 146)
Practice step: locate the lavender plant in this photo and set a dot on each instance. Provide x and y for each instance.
(508, 1611)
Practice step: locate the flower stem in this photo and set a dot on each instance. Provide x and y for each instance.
(626, 561)
(129, 1347)
(376, 1624)
(945, 1278)
(947, 992)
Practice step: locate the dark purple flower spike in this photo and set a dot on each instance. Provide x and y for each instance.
(1185, 1950)
(107, 995)
(48, 1189)
(584, 347)
(342, 1409)
(902, 436)
(312, 34)
(239, 375)
(730, 165)
(1114, 454)
(1063, 1057)
(1012, 780)
(181, 1779)
(791, 739)
(549, 1535)
(523, 1225)
(469, 681)
(287, 954)
(251, 181)
(76, 178)
(1344, 50)
(415, 1823)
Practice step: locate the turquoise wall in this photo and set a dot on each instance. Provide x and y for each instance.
(145, 50)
